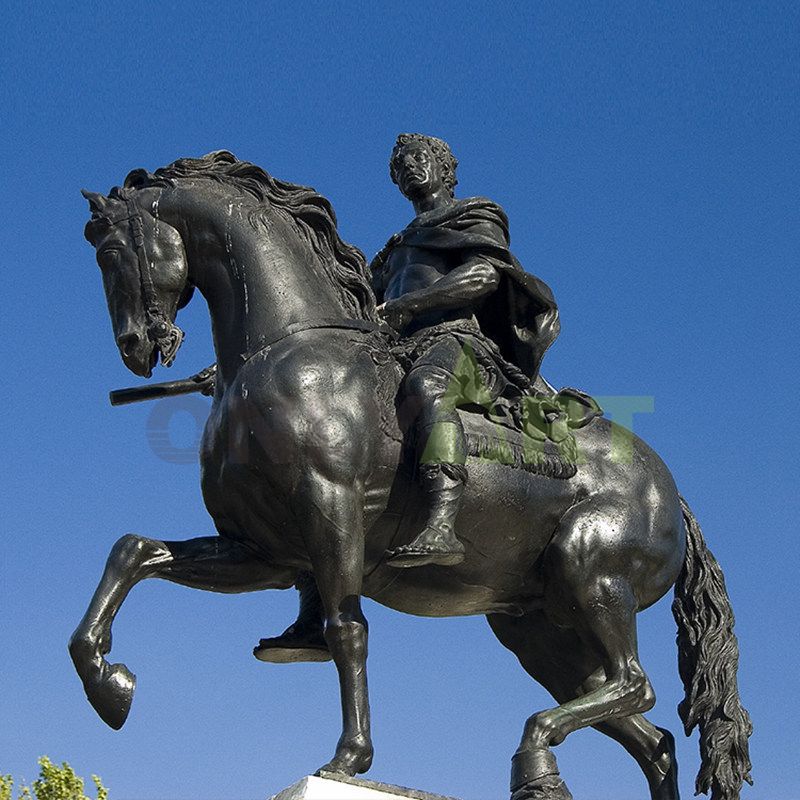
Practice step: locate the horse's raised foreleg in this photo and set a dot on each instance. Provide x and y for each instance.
(211, 563)
(331, 514)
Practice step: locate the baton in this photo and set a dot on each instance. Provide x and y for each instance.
(203, 382)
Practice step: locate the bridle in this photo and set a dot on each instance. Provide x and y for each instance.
(166, 336)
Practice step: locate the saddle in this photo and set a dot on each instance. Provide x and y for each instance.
(546, 423)
(527, 426)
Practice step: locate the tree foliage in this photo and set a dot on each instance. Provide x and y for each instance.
(54, 783)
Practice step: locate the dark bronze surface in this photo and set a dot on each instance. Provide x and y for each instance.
(305, 469)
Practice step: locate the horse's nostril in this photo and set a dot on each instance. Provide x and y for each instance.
(127, 342)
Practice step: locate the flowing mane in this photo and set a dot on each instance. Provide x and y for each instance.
(344, 264)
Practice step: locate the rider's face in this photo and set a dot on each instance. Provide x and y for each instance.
(418, 173)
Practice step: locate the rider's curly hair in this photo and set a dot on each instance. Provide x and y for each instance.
(441, 152)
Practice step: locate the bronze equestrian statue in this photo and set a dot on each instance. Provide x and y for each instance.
(305, 470)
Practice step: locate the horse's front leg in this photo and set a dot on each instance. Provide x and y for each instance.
(331, 513)
(211, 563)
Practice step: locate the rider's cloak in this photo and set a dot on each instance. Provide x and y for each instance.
(520, 316)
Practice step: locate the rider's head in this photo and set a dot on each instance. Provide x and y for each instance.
(422, 165)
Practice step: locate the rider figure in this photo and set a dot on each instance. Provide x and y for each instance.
(468, 314)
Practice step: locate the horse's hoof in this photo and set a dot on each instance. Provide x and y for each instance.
(349, 761)
(111, 694)
(534, 776)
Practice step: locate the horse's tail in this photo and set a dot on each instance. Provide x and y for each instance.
(708, 657)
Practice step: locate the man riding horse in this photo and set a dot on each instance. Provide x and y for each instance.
(562, 552)
(474, 326)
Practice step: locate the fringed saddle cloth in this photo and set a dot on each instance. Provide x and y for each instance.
(532, 427)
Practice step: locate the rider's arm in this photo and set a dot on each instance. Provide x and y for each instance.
(463, 286)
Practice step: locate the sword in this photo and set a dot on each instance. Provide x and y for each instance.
(203, 382)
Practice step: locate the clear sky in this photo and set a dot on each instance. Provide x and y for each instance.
(647, 156)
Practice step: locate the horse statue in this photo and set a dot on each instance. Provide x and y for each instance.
(303, 470)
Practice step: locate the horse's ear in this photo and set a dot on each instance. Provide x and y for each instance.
(98, 204)
(137, 179)
(97, 201)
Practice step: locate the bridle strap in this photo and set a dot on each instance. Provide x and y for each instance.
(160, 329)
(148, 289)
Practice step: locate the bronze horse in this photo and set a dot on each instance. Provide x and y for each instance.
(303, 469)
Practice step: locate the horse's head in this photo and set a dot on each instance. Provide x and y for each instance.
(145, 276)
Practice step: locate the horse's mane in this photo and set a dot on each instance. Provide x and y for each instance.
(344, 264)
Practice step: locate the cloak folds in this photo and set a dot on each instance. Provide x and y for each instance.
(521, 315)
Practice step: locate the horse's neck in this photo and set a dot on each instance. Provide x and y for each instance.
(260, 281)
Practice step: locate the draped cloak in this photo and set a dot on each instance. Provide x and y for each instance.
(520, 316)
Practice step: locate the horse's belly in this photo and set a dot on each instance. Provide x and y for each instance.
(427, 594)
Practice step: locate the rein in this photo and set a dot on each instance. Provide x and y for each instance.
(168, 337)
(335, 323)
(204, 381)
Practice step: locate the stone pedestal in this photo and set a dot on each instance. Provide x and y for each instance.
(336, 787)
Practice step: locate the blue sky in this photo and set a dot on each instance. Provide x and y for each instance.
(647, 156)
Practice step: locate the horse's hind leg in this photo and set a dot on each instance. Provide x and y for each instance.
(558, 659)
(653, 748)
(555, 658)
(654, 751)
(586, 590)
(210, 563)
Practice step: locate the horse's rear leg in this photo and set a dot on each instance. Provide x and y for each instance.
(607, 623)
(654, 751)
(210, 563)
(586, 592)
(653, 748)
(558, 659)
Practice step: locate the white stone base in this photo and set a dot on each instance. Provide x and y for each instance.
(337, 787)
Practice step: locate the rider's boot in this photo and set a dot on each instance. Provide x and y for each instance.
(443, 485)
(304, 639)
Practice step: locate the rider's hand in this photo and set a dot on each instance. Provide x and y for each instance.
(395, 313)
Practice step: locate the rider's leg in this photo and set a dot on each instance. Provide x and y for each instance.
(304, 639)
(441, 449)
